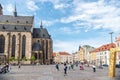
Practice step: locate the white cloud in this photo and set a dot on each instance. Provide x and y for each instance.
(64, 46)
(57, 4)
(96, 15)
(61, 6)
(48, 23)
(68, 30)
(9, 8)
(72, 46)
(31, 5)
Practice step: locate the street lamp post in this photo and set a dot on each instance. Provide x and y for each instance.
(111, 38)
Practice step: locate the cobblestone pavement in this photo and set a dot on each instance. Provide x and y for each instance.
(48, 72)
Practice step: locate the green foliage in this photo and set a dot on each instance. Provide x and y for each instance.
(18, 58)
(32, 58)
(12, 58)
(25, 59)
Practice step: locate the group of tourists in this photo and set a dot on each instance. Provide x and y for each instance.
(6, 68)
(69, 66)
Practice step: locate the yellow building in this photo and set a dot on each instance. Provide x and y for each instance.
(93, 56)
(81, 52)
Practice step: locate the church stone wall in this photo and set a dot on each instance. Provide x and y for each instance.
(28, 43)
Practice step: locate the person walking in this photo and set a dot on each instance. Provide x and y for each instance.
(57, 66)
(19, 65)
(81, 67)
(94, 68)
(69, 66)
(9, 68)
(65, 69)
(72, 66)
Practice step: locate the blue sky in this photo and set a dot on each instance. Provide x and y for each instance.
(71, 22)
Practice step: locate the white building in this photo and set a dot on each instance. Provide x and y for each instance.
(103, 54)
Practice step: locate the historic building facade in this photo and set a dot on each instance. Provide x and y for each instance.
(20, 40)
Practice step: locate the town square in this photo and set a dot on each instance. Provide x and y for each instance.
(48, 72)
(59, 40)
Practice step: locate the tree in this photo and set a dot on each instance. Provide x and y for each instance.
(25, 59)
(32, 58)
(12, 58)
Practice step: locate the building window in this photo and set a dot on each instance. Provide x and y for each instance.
(26, 21)
(7, 21)
(43, 35)
(25, 28)
(3, 27)
(13, 45)
(15, 28)
(117, 44)
(17, 21)
(2, 43)
(43, 48)
(23, 46)
(38, 41)
(37, 35)
(46, 49)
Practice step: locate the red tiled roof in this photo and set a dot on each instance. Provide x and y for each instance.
(64, 53)
(104, 47)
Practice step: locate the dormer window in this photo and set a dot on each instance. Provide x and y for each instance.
(43, 35)
(38, 41)
(36, 35)
(17, 21)
(3, 27)
(26, 21)
(25, 28)
(7, 21)
(15, 28)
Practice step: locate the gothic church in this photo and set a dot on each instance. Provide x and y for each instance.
(20, 40)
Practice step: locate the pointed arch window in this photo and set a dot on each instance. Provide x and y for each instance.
(2, 43)
(42, 44)
(23, 46)
(13, 45)
(46, 49)
(43, 48)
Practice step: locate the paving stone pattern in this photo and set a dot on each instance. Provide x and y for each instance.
(48, 72)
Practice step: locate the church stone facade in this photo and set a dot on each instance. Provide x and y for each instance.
(20, 40)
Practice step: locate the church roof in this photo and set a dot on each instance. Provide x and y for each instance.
(15, 28)
(36, 47)
(40, 33)
(18, 23)
(12, 20)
